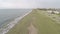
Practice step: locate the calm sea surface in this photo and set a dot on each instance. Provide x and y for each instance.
(8, 15)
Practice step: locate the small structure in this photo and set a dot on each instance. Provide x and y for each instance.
(49, 11)
(56, 12)
(53, 12)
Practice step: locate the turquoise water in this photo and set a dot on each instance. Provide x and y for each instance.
(8, 15)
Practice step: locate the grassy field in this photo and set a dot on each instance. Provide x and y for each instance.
(44, 24)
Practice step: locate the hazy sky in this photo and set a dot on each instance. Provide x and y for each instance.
(29, 3)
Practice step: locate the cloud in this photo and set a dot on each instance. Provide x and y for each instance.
(29, 3)
(18, 4)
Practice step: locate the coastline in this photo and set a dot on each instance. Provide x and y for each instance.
(13, 23)
(41, 24)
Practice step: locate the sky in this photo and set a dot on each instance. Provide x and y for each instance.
(29, 3)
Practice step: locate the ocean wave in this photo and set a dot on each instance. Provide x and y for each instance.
(12, 24)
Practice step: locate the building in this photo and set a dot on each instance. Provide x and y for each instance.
(53, 12)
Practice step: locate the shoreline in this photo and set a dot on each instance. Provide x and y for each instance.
(13, 23)
(42, 24)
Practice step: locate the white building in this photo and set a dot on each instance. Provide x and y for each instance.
(49, 11)
(56, 12)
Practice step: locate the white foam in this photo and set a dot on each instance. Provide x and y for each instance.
(12, 24)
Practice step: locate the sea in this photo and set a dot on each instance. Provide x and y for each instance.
(9, 15)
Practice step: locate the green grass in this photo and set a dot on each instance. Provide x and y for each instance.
(59, 14)
(21, 26)
(44, 24)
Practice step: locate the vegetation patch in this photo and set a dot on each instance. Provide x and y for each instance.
(44, 24)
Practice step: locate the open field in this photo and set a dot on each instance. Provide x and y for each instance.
(55, 17)
(41, 23)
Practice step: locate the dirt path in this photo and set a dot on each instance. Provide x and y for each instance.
(32, 29)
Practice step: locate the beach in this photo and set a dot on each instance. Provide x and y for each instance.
(12, 24)
(36, 23)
